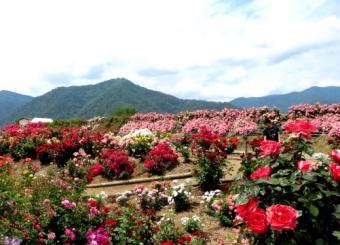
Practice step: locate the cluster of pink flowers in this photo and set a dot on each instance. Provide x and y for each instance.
(244, 126)
(68, 204)
(240, 121)
(98, 236)
(312, 110)
(160, 126)
(335, 131)
(152, 117)
(216, 125)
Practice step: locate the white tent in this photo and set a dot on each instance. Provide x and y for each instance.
(42, 120)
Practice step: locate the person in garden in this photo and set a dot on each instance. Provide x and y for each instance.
(271, 131)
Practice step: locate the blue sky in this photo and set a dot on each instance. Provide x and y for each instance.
(202, 49)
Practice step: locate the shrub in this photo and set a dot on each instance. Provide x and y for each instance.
(117, 164)
(305, 193)
(150, 200)
(191, 224)
(167, 231)
(160, 158)
(211, 151)
(180, 196)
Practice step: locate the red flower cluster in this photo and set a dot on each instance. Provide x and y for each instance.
(279, 217)
(212, 144)
(160, 158)
(116, 164)
(335, 166)
(269, 148)
(184, 239)
(302, 128)
(4, 160)
(94, 170)
(261, 173)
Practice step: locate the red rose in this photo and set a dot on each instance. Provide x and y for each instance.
(270, 148)
(95, 169)
(110, 223)
(257, 221)
(167, 243)
(92, 202)
(335, 171)
(302, 128)
(149, 164)
(184, 239)
(243, 210)
(335, 154)
(305, 165)
(282, 217)
(261, 173)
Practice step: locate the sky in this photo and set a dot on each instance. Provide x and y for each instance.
(215, 50)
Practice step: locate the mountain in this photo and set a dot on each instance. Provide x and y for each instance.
(325, 95)
(104, 98)
(9, 102)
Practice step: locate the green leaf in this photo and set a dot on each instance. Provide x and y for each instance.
(313, 210)
(319, 241)
(242, 198)
(336, 234)
(309, 151)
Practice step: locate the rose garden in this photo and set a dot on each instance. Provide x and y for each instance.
(226, 186)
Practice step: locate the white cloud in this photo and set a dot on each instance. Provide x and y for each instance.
(203, 49)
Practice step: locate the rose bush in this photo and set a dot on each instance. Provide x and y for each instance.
(161, 158)
(301, 198)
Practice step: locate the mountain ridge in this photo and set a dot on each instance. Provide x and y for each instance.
(10, 101)
(314, 94)
(105, 97)
(85, 101)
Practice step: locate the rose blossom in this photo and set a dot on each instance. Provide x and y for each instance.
(51, 236)
(282, 217)
(300, 127)
(335, 171)
(243, 210)
(335, 154)
(93, 211)
(257, 221)
(261, 173)
(217, 205)
(305, 165)
(70, 234)
(68, 204)
(270, 148)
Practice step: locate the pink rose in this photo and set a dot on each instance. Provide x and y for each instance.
(270, 148)
(335, 171)
(305, 165)
(335, 154)
(261, 173)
